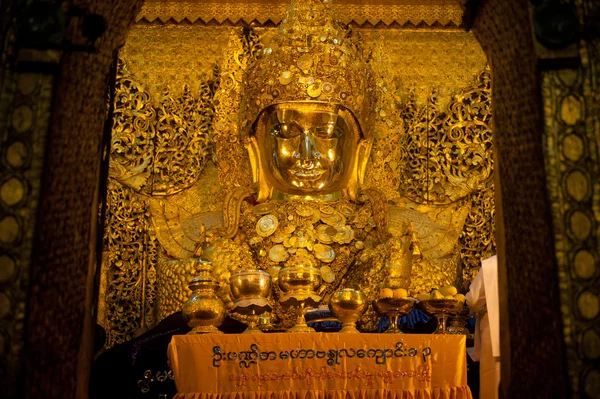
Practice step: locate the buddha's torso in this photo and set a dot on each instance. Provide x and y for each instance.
(330, 234)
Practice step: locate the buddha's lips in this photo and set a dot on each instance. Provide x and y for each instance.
(308, 173)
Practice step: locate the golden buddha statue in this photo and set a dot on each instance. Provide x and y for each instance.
(307, 118)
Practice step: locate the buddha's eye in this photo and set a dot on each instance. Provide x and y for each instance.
(329, 131)
(285, 130)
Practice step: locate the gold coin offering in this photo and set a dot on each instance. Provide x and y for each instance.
(326, 209)
(316, 216)
(266, 225)
(344, 235)
(289, 229)
(323, 235)
(331, 231)
(327, 274)
(336, 219)
(314, 90)
(346, 210)
(278, 253)
(263, 209)
(324, 253)
(304, 210)
(286, 78)
(305, 62)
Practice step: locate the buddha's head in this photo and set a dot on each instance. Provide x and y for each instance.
(306, 113)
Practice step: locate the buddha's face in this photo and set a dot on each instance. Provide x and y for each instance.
(307, 148)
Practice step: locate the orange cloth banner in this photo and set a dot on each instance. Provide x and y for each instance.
(319, 365)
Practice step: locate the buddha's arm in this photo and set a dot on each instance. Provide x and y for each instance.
(182, 232)
(436, 227)
(436, 232)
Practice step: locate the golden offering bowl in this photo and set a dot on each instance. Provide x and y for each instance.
(250, 284)
(299, 279)
(393, 309)
(348, 306)
(265, 323)
(250, 290)
(441, 308)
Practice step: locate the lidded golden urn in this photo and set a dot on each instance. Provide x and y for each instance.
(204, 311)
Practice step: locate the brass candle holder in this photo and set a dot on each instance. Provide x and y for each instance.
(298, 281)
(204, 311)
(393, 309)
(348, 306)
(250, 290)
(441, 308)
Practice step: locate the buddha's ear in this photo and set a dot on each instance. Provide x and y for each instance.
(258, 175)
(363, 151)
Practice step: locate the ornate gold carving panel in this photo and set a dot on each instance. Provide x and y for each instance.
(426, 59)
(130, 259)
(159, 148)
(173, 56)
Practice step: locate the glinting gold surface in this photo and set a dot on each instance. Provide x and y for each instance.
(249, 285)
(393, 308)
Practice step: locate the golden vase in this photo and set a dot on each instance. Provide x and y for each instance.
(204, 311)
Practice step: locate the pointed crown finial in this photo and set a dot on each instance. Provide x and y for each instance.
(314, 58)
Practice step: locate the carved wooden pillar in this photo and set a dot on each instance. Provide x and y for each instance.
(54, 108)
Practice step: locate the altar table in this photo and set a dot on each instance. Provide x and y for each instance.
(319, 365)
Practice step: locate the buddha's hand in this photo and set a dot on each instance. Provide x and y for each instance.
(400, 260)
(200, 242)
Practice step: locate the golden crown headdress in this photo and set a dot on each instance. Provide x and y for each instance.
(313, 58)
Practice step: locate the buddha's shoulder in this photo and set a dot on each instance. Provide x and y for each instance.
(178, 226)
(425, 218)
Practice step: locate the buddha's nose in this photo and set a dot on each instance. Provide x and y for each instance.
(306, 150)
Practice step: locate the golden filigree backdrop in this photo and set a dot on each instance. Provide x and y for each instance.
(167, 165)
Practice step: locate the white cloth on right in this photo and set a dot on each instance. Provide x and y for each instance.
(483, 300)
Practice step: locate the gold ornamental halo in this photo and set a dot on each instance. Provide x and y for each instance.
(313, 58)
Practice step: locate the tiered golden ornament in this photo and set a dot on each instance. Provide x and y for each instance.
(204, 311)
